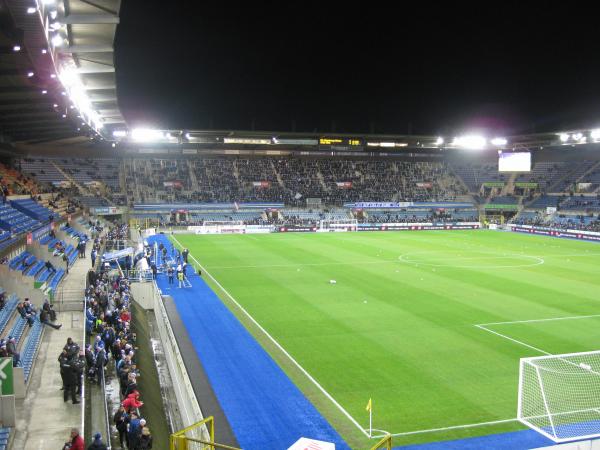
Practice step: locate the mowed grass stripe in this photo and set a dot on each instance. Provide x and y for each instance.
(412, 347)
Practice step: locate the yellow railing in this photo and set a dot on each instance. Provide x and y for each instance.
(182, 440)
(384, 443)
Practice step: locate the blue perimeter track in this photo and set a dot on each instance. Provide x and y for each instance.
(264, 407)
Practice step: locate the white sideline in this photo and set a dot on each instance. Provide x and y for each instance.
(266, 333)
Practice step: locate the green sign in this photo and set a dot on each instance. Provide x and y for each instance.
(493, 184)
(526, 185)
(501, 206)
(6, 376)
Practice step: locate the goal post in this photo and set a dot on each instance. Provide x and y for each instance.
(559, 395)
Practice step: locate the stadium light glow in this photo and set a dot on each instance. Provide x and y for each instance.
(119, 133)
(30, 74)
(31, 10)
(75, 89)
(44, 91)
(439, 141)
(57, 40)
(498, 141)
(564, 137)
(16, 48)
(595, 134)
(146, 135)
(470, 142)
(578, 136)
(44, 51)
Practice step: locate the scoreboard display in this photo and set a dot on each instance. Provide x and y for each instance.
(341, 143)
(514, 162)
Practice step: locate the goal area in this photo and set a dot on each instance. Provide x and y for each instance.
(559, 395)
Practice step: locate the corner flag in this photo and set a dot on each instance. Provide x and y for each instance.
(370, 409)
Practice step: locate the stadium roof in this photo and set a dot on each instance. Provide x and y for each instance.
(57, 74)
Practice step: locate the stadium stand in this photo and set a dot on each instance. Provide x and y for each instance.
(289, 180)
(15, 221)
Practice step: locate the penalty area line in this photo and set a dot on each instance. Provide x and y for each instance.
(278, 345)
(539, 320)
(516, 341)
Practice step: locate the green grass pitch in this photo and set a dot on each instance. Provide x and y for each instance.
(398, 326)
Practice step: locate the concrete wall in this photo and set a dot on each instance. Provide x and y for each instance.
(186, 398)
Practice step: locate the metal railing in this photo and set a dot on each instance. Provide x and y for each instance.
(105, 405)
(384, 443)
(180, 440)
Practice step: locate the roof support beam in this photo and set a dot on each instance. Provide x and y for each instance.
(96, 68)
(74, 19)
(98, 48)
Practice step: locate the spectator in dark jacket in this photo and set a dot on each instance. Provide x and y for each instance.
(97, 444)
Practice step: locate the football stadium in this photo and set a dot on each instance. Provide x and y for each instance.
(224, 287)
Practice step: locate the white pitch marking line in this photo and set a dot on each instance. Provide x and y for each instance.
(481, 327)
(284, 351)
(539, 320)
(454, 427)
(266, 266)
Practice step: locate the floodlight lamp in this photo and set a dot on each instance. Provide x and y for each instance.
(595, 134)
(119, 133)
(564, 137)
(44, 51)
(44, 91)
(470, 142)
(31, 10)
(188, 136)
(30, 74)
(146, 135)
(16, 48)
(439, 141)
(499, 142)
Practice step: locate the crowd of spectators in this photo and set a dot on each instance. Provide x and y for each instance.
(108, 322)
(289, 180)
(582, 223)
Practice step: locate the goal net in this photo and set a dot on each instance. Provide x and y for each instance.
(221, 227)
(559, 395)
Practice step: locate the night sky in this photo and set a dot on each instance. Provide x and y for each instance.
(359, 67)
